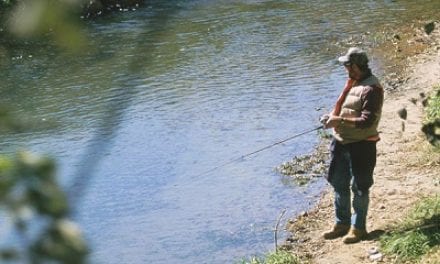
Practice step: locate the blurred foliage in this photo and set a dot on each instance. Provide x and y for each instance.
(55, 20)
(6, 3)
(59, 21)
(86, 7)
(431, 126)
(32, 200)
(30, 194)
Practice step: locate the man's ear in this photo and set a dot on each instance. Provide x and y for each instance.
(356, 68)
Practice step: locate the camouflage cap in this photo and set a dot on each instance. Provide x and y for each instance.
(354, 56)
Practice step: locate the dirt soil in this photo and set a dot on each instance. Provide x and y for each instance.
(404, 172)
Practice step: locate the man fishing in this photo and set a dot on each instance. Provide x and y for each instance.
(354, 120)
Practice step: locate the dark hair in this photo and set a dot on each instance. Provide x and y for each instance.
(363, 67)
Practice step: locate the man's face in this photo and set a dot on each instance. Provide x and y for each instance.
(353, 71)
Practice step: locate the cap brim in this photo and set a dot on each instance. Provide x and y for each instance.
(344, 59)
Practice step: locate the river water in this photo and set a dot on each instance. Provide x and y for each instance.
(171, 90)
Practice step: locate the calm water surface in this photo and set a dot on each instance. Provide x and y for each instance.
(174, 89)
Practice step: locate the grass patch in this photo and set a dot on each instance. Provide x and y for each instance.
(417, 234)
(432, 111)
(280, 257)
(431, 123)
(423, 154)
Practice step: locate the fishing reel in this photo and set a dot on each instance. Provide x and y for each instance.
(323, 119)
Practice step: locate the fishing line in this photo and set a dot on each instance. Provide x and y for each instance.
(261, 149)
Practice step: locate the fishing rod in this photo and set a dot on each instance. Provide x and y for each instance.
(261, 149)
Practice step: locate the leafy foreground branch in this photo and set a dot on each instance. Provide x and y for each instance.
(416, 235)
(33, 200)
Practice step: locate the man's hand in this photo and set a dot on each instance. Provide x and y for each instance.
(333, 121)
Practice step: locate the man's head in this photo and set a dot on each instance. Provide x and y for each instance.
(355, 62)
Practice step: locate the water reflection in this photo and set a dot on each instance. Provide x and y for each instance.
(174, 89)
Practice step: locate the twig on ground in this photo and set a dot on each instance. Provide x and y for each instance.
(276, 229)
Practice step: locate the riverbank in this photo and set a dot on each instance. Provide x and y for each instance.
(406, 171)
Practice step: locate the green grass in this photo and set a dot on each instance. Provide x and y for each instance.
(417, 234)
(431, 122)
(432, 111)
(280, 257)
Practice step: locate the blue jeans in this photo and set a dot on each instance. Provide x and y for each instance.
(341, 178)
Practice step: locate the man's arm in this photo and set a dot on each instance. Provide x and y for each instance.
(372, 99)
